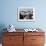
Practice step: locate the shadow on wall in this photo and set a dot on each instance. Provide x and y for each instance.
(2, 26)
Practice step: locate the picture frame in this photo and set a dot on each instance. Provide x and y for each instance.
(26, 14)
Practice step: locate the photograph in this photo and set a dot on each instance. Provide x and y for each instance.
(26, 14)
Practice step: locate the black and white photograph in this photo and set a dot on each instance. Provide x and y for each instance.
(26, 14)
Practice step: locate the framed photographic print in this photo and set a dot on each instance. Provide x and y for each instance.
(26, 14)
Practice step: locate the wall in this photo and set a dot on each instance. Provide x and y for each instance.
(8, 13)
